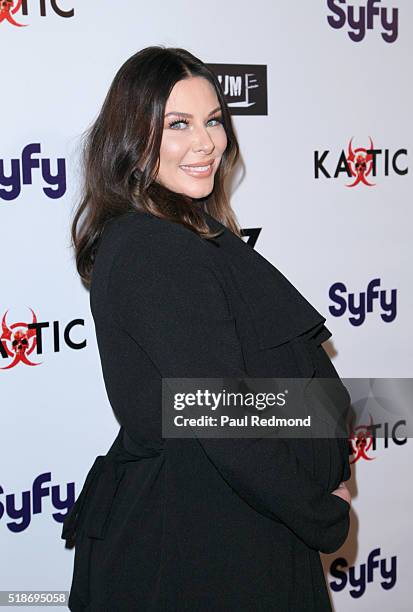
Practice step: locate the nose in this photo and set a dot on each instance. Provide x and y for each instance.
(202, 141)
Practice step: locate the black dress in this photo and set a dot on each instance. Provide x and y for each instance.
(197, 525)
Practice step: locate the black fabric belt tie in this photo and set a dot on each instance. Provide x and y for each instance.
(91, 509)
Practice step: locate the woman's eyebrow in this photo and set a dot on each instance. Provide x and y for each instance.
(189, 115)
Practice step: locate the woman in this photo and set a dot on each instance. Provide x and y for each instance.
(168, 524)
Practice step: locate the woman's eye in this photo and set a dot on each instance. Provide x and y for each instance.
(177, 122)
(174, 123)
(217, 119)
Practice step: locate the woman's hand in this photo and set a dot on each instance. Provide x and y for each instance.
(343, 492)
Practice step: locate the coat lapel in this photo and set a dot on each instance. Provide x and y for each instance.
(279, 312)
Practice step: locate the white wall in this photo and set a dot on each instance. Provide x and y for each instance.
(323, 89)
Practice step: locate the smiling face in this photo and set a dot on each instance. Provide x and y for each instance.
(193, 138)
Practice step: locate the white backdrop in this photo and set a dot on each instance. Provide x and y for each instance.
(322, 89)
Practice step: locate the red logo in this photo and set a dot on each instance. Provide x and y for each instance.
(8, 8)
(360, 163)
(361, 441)
(18, 341)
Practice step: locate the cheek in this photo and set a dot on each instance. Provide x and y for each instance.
(172, 149)
(221, 141)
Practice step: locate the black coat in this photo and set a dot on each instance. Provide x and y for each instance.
(197, 525)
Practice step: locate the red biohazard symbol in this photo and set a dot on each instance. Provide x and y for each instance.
(361, 441)
(360, 164)
(18, 341)
(7, 10)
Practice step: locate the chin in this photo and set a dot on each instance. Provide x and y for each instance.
(199, 193)
(198, 196)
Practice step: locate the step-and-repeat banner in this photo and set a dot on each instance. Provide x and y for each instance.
(321, 96)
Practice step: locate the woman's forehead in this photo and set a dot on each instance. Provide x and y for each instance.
(189, 93)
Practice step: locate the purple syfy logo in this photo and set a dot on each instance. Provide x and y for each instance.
(356, 578)
(358, 305)
(19, 508)
(362, 18)
(21, 173)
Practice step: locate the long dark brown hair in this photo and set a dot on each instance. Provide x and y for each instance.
(120, 154)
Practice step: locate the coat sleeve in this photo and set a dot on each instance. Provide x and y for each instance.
(168, 298)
